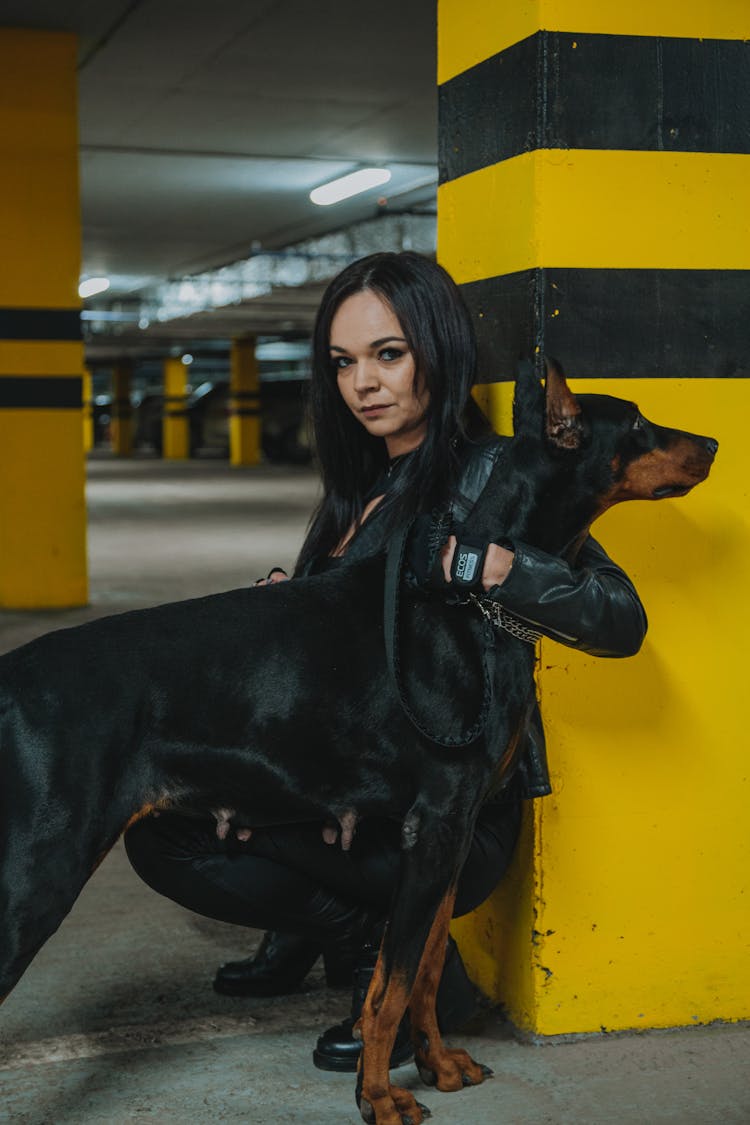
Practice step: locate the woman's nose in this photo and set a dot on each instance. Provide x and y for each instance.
(365, 376)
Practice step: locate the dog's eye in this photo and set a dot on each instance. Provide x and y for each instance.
(639, 422)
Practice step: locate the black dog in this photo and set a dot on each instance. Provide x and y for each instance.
(276, 705)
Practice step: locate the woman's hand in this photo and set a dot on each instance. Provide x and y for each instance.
(497, 563)
(275, 575)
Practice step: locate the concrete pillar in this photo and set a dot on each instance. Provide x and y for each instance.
(121, 426)
(244, 389)
(593, 205)
(176, 427)
(42, 507)
(88, 411)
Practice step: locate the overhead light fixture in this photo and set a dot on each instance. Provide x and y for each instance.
(345, 186)
(93, 285)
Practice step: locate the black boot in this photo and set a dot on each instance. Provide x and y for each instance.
(280, 965)
(337, 1049)
(457, 1001)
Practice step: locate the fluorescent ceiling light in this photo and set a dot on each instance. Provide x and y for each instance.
(346, 186)
(93, 285)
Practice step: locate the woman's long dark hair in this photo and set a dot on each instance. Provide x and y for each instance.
(440, 335)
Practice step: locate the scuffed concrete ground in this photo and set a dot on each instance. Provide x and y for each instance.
(115, 1022)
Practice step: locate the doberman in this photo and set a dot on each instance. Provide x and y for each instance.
(275, 705)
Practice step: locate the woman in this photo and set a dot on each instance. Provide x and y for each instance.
(397, 434)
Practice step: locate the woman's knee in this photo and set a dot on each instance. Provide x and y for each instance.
(155, 845)
(142, 847)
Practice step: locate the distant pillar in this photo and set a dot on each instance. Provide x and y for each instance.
(42, 506)
(88, 411)
(176, 425)
(122, 410)
(593, 205)
(244, 391)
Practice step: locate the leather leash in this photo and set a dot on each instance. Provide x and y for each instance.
(394, 567)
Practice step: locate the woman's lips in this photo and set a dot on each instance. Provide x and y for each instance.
(370, 410)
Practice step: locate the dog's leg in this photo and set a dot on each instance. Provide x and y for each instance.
(24, 932)
(379, 1102)
(39, 883)
(418, 926)
(438, 1065)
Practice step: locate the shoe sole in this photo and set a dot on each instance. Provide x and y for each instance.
(349, 1066)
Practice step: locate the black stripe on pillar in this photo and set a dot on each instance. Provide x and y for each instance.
(645, 323)
(245, 412)
(38, 392)
(40, 324)
(562, 90)
(245, 396)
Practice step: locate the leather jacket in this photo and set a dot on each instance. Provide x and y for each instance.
(592, 606)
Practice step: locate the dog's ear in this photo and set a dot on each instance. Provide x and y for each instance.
(528, 400)
(564, 426)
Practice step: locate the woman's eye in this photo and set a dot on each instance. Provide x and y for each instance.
(390, 354)
(340, 362)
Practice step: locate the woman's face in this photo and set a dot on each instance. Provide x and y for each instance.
(376, 372)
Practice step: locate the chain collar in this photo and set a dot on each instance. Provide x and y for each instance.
(499, 616)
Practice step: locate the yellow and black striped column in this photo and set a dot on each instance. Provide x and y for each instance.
(88, 411)
(593, 205)
(244, 391)
(122, 409)
(42, 508)
(176, 424)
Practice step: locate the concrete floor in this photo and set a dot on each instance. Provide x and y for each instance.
(116, 1022)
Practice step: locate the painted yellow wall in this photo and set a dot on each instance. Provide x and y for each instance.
(244, 429)
(39, 212)
(175, 426)
(43, 510)
(42, 507)
(470, 31)
(581, 207)
(628, 904)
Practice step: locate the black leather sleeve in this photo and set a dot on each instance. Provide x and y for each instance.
(592, 606)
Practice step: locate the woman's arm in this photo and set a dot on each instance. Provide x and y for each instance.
(592, 606)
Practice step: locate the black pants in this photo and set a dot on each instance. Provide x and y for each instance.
(288, 879)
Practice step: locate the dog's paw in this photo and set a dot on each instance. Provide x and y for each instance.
(394, 1107)
(451, 1070)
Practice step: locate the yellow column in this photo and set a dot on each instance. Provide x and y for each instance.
(619, 241)
(42, 507)
(176, 428)
(88, 411)
(122, 410)
(244, 388)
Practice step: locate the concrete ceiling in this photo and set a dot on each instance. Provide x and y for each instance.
(203, 127)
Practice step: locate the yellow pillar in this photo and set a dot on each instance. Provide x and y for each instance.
(244, 389)
(122, 410)
(42, 507)
(593, 205)
(88, 411)
(176, 428)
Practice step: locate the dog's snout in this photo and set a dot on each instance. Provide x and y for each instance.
(712, 446)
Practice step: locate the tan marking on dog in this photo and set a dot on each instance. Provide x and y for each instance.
(381, 1014)
(683, 464)
(448, 1069)
(151, 808)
